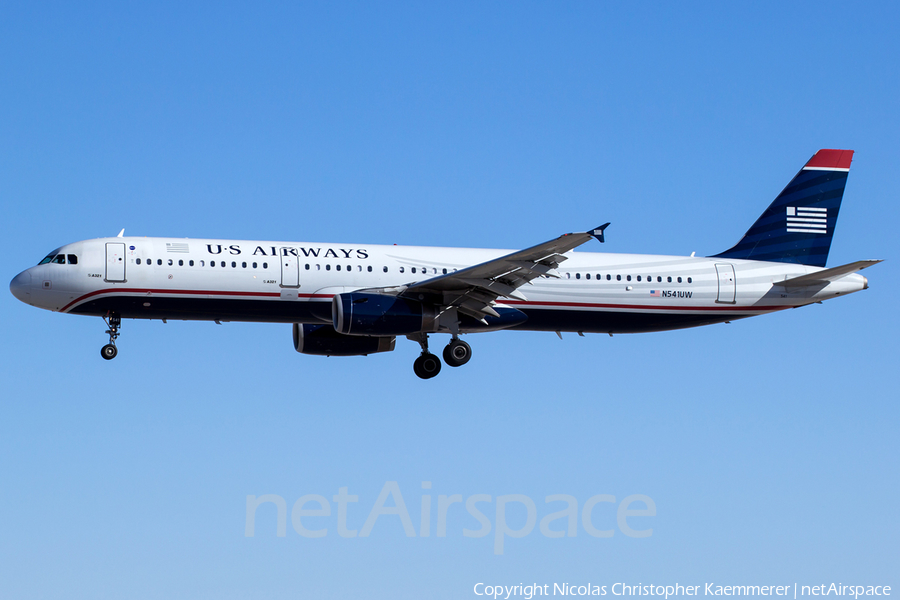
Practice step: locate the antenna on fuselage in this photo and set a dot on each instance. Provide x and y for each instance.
(121, 233)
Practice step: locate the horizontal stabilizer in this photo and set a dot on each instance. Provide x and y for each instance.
(823, 277)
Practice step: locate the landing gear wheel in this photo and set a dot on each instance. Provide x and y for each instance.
(457, 353)
(427, 365)
(113, 321)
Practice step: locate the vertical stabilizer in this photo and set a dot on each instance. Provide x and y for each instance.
(798, 226)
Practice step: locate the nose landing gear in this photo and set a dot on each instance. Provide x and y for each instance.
(113, 321)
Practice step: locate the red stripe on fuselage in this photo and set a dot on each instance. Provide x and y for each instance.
(528, 303)
(184, 293)
(523, 304)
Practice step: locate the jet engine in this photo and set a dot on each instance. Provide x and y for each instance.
(356, 313)
(323, 340)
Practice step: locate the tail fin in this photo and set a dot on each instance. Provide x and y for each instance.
(797, 227)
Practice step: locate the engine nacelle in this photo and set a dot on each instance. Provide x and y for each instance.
(356, 313)
(323, 340)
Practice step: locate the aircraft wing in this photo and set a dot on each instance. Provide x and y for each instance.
(474, 289)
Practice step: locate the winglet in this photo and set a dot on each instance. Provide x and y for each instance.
(598, 232)
(121, 233)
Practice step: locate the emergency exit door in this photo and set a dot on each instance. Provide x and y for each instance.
(115, 261)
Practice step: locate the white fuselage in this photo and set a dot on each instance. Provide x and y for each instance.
(198, 279)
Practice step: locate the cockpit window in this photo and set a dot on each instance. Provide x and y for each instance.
(49, 257)
(59, 259)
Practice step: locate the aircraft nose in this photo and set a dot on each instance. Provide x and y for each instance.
(20, 286)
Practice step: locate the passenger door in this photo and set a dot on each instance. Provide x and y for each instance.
(115, 261)
(726, 283)
(290, 268)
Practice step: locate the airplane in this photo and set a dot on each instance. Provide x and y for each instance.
(356, 299)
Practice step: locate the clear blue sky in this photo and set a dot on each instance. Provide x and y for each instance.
(769, 446)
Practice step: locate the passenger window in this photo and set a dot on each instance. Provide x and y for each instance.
(337, 267)
(191, 263)
(202, 263)
(444, 271)
(265, 265)
(577, 275)
(369, 268)
(401, 269)
(327, 267)
(212, 263)
(306, 266)
(243, 265)
(659, 280)
(690, 280)
(73, 260)
(679, 280)
(180, 263)
(618, 278)
(385, 269)
(234, 264)
(587, 275)
(413, 269)
(628, 278)
(669, 279)
(568, 276)
(138, 261)
(608, 277)
(639, 278)
(159, 262)
(256, 265)
(171, 262)
(222, 263)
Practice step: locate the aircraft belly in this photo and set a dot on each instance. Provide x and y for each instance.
(618, 321)
(208, 309)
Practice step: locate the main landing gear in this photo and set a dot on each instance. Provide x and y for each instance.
(113, 321)
(456, 354)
